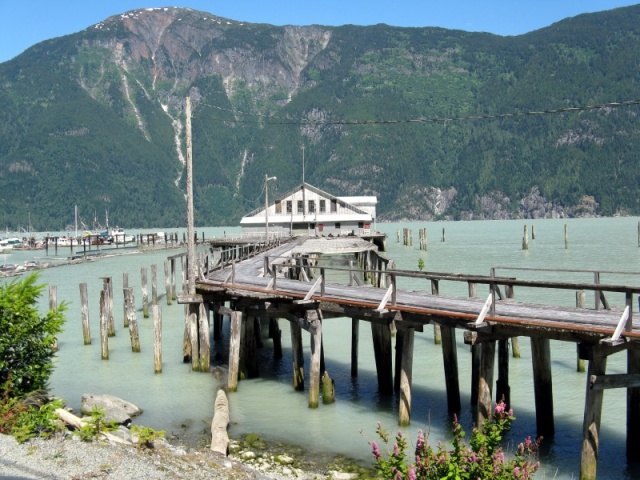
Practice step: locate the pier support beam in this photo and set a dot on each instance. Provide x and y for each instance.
(503, 390)
(316, 349)
(406, 370)
(542, 384)
(298, 357)
(633, 408)
(382, 352)
(450, 360)
(485, 381)
(355, 336)
(592, 415)
(234, 350)
(248, 349)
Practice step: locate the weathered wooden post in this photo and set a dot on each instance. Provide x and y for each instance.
(566, 236)
(154, 284)
(84, 303)
(173, 279)
(132, 319)
(157, 339)
(525, 238)
(234, 350)
(205, 345)
(125, 285)
(298, 357)
(435, 290)
(443, 237)
(145, 292)
(533, 232)
(328, 389)
(406, 371)
(542, 385)
(485, 382)
(315, 319)
(355, 336)
(276, 335)
(382, 352)
(503, 390)
(167, 282)
(597, 357)
(580, 299)
(450, 361)
(104, 326)
(108, 286)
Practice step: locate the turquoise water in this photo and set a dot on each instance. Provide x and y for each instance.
(180, 401)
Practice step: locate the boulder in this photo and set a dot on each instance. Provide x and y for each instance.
(116, 409)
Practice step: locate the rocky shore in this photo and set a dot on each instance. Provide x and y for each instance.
(68, 457)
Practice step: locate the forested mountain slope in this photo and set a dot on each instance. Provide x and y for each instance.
(96, 119)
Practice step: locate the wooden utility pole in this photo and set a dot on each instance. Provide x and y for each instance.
(191, 251)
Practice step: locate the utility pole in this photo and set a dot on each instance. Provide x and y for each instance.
(191, 250)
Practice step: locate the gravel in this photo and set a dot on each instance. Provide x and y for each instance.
(65, 457)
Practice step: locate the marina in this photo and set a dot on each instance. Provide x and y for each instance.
(476, 246)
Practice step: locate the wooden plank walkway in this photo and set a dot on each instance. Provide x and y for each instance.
(598, 333)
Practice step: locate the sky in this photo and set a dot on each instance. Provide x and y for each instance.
(24, 23)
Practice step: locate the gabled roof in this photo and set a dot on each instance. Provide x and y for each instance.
(309, 187)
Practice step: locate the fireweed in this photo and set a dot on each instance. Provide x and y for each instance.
(482, 458)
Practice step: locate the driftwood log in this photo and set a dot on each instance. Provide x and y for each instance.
(219, 424)
(77, 423)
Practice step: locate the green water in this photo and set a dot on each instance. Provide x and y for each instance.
(180, 401)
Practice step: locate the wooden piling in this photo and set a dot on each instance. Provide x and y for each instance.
(566, 236)
(108, 286)
(84, 305)
(145, 292)
(173, 279)
(443, 237)
(132, 319)
(328, 389)
(234, 350)
(167, 283)
(193, 337)
(249, 364)
(382, 353)
(298, 357)
(125, 285)
(485, 382)
(525, 238)
(542, 385)
(276, 335)
(154, 284)
(157, 339)
(104, 326)
(592, 416)
(503, 390)
(450, 361)
(355, 337)
(580, 299)
(533, 232)
(204, 353)
(314, 372)
(405, 378)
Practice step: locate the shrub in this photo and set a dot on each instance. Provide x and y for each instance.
(26, 339)
(482, 458)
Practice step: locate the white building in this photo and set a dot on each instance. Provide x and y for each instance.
(309, 210)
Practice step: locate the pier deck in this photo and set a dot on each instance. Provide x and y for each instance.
(263, 286)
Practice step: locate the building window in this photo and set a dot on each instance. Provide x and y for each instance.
(312, 206)
(278, 206)
(360, 224)
(337, 225)
(300, 206)
(334, 206)
(289, 206)
(323, 206)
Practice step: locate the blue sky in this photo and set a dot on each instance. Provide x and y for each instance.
(26, 22)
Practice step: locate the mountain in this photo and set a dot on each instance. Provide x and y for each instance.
(96, 119)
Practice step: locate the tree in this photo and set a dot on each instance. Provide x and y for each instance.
(26, 339)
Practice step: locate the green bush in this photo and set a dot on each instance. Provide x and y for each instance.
(26, 339)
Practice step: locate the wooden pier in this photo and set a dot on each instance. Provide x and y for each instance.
(251, 285)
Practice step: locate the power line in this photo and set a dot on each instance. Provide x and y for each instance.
(275, 120)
